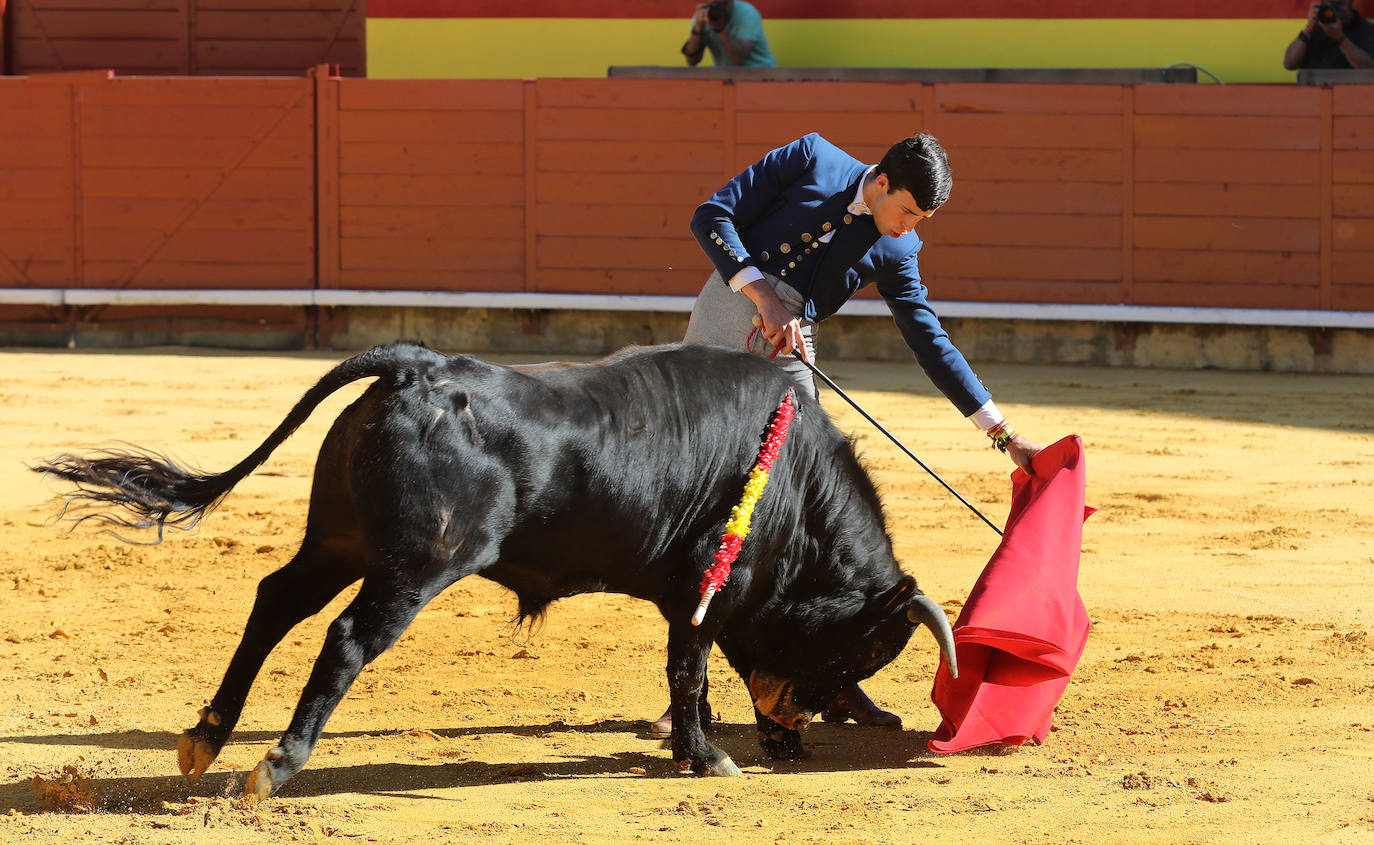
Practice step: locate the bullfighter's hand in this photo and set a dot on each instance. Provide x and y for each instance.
(1022, 451)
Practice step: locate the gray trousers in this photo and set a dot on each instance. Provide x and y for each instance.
(722, 317)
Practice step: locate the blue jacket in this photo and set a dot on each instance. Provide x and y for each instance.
(771, 217)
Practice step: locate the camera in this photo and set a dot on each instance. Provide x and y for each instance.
(718, 13)
(1326, 13)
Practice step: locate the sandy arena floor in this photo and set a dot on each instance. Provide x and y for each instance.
(1226, 695)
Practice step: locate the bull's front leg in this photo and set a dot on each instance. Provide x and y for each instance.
(778, 742)
(688, 650)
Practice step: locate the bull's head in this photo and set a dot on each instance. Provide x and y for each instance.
(835, 653)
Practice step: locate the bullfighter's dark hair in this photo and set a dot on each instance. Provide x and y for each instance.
(920, 165)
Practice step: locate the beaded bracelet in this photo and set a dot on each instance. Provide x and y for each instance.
(1001, 434)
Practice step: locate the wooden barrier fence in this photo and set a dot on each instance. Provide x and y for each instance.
(1174, 195)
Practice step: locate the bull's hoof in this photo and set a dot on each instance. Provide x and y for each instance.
(259, 784)
(198, 747)
(781, 744)
(723, 768)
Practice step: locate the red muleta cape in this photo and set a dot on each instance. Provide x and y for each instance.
(1024, 626)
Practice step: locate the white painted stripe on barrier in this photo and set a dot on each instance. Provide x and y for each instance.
(102, 296)
(30, 296)
(681, 304)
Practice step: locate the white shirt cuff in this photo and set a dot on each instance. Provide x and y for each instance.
(747, 276)
(987, 416)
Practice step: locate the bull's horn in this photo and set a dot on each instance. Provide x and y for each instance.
(924, 611)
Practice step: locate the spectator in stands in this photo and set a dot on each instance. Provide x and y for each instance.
(797, 234)
(1335, 37)
(733, 31)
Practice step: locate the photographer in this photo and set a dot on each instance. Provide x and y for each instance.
(1335, 37)
(733, 31)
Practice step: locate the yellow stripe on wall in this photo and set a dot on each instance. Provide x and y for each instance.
(1241, 50)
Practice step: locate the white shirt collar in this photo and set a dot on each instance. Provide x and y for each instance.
(858, 206)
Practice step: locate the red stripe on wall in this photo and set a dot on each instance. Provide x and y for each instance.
(804, 9)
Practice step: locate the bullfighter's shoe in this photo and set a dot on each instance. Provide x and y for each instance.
(854, 703)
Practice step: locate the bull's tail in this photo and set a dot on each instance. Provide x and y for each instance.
(139, 488)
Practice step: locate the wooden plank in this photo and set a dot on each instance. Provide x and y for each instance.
(1011, 288)
(1352, 100)
(477, 221)
(1353, 133)
(629, 125)
(335, 6)
(1067, 230)
(328, 177)
(1352, 167)
(215, 213)
(431, 157)
(1354, 234)
(1003, 164)
(1027, 99)
(431, 254)
(210, 93)
(1236, 200)
(478, 127)
(1224, 295)
(441, 189)
(630, 188)
(1300, 269)
(649, 94)
(85, 53)
(1062, 264)
(1326, 166)
(893, 97)
(199, 275)
(25, 247)
(440, 280)
(294, 55)
(1253, 234)
(1084, 132)
(318, 25)
(617, 253)
(193, 122)
(1215, 100)
(136, 151)
(589, 219)
(45, 8)
(1346, 201)
(1035, 197)
(529, 96)
(675, 282)
(31, 215)
(173, 183)
(630, 157)
(42, 146)
(1254, 167)
(1190, 132)
(445, 95)
(769, 130)
(33, 183)
(188, 245)
(107, 24)
(1354, 297)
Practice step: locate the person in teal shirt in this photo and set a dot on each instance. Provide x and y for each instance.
(733, 31)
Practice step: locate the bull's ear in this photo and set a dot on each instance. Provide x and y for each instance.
(899, 594)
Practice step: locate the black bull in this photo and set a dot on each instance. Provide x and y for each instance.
(556, 480)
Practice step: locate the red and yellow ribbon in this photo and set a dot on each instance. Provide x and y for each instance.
(742, 515)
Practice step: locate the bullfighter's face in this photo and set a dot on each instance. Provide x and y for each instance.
(895, 213)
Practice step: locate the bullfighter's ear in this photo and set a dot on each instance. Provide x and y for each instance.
(898, 595)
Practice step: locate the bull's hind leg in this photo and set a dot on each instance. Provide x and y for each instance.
(319, 572)
(391, 595)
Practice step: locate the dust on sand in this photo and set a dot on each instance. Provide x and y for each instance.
(1225, 695)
